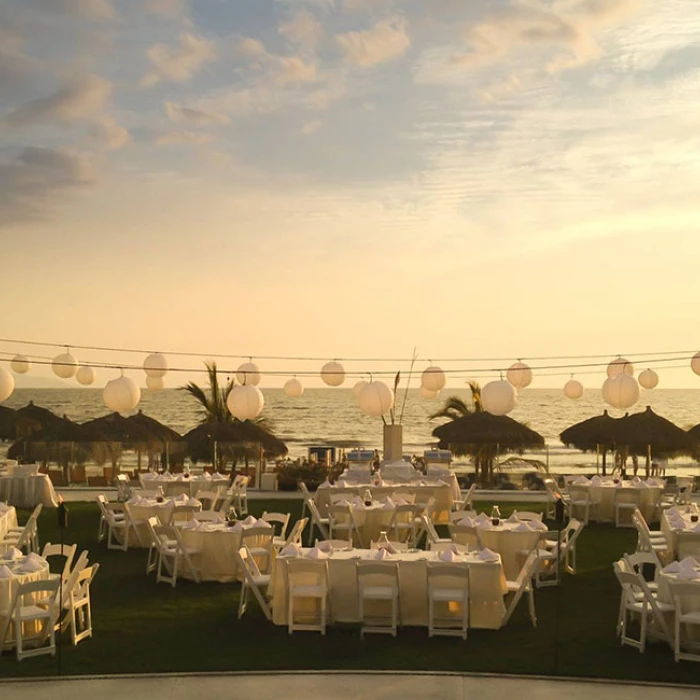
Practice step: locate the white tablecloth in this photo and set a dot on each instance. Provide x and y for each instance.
(487, 588)
(8, 588)
(686, 541)
(443, 493)
(147, 508)
(28, 491)
(665, 581)
(509, 544)
(176, 484)
(8, 519)
(604, 494)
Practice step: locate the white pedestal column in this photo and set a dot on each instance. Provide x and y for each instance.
(393, 443)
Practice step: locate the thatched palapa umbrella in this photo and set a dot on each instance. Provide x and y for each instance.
(40, 415)
(483, 435)
(160, 433)
(592, 434)
(14, 425)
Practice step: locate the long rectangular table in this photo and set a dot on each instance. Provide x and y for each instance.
(28, 491)
(487, 588)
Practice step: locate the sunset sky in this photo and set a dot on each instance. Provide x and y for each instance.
(352, 178)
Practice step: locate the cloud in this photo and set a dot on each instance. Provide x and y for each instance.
(106, 133)
(179, 113)
(302, 29)
(310, 127)
(250, 48)
(385, 41)
(32, 184)
(181, 62)
(80, 99)
(14, 69)
(566, 32)
(282, 70)
(96, 10)
(166, 8)
(183, 137)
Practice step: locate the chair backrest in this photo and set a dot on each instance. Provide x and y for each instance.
(644, 543)
(73, 576)
(151, 524)
(572, 530)
(304, 489)
(528, 515)
(27, 534)
(208, 497)
(37, 511)
(384, 573)
(629, 495)
(528, 570)
(165, 534)
(294, 536)
(448, 576)
(281, 519)
(49, 586)
(429, 507)
(81, 589)
(61, 550)
(313, 509)
(465, 535)
(257, 536)
(430, 528)
(225, 505)
(470, 493)
(110, 509)
(408, 496)
(338, 495)
(406, 514)
(341, 514)
(638, 560)
(307, 572)
(458, 515)
(579, 492)
(247, 563)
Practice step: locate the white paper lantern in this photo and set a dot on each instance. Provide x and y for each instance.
(376, 399)
(155, 383)
(293, 388)
(519, 375)
(621, 391)
(428, 394)
(121, 395)
(64, 365)
(433, 378)
(155, 365)
(499, 397)
(359, 386)
(85, 375)
(648, 379)
(245, 402)
(695, 363)
(248, 373)
(333, 373)
(573, 389)
(7, 384)
(620, 365)
(20, 364)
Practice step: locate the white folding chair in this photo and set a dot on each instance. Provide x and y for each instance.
(638, 600)
(123, 484)
(306, 494)
(253, 581)
(240, 494)
(80, 610)
(646, 542)
(258, 539)
(432, 537)
(523, 584)
(103, 528)
(317, 522)
(553, 554)
(378, 582)
(467, 497)
(208, 498)
(307, 580)
(687, 615)
(448, 584)
(295, 536)
(407, 496)
(403, 523)
(341, 520)
(466, 536)
(554, 494)
(14, 531)
(35, 602)
(582, 499)
(65, 551)
(172, 551)
(152, 562)
(27, 539)
(281, 519)
(626, 501)
(226, 507)
(639, 560)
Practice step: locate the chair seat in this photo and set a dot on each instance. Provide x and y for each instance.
(379, 592)
(512, 585)
(258, 551)
(307, 592)
(691, 617)
(627, 506)
(639, 606)
(33, 612)
(261, 580)
(448, 594)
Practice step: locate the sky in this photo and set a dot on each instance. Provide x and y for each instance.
(495, 179)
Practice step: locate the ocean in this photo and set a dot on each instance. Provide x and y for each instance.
(333, 417)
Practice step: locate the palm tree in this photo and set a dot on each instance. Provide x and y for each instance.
(213, 405)
(483, 455)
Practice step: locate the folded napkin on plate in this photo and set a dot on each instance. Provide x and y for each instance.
(206, 476)
(343, 502)
(673, 568)
(677, 523)
(537, 525)
(237, 527)
(449, 555)
(13, 553)
(180, 477)
(341, 483)
(31, 565)
(672, 511)
(688, 562)
(467, 522)
(135, 500)
(250, 520)
(181, 498)
(641, 485)
(357, 501)
(262, 523)
(291, 550)
(696, 528)
(208, 527)
(388, 504)
(690, 574)
(513, 518)
(596, 481)
(523, 527)
(5, 571)
(316, 553)
(635, 479)
(487, 554)
(484, 519)
(401, 502)
(654, 482)
(382, 554)
(193, 502)
(581, 481)
(168, 476)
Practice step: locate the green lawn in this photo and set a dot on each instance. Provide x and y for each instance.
(144, 627)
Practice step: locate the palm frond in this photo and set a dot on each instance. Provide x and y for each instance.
(453, 408)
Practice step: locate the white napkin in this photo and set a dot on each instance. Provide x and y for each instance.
(672, 511)
(635, 479)
(180, 477)
(30, 565)
(324, 546)
(641, 485)
(193, 502)
(189, 525)
(449, 555)
(135, 500)
(208, 527)
(513, 518)
(653, 482)
(325, 485)
(673, 568)
(343, 502)
(291, 550)
(388, 504)
(677, 523)
(250, 520)
(619, 485)
(483, 519)
(487, 554)
(181, 498)
(581, 481)
(238, 527)
(382, 554)
(696, 528)
(168, 476)
(467, 522)
(596, 481)
(206, 476)
(357, 501)
(341, 483)
(262, 523)
(5, 571)
(13, 553)
(401, 502)
(316, 553)
(688, 573)
(523, 527)
(688, 563)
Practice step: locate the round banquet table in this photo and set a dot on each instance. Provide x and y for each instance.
(8, 589)
(146, 508)
(8, 519)
(28, 491)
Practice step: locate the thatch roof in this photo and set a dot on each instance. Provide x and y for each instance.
(592, 432)
(483, 428)
(641, 431)
(158, 430)
(115, 428)
(234, 432)
(39, 414)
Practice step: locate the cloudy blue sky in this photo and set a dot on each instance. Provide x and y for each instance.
(352, 178)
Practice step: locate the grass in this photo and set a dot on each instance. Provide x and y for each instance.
(144, 627)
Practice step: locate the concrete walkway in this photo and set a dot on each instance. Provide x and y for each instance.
(340, 686)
